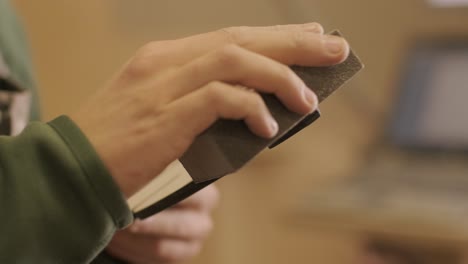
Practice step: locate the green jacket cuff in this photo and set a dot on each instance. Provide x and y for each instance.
(97, 174)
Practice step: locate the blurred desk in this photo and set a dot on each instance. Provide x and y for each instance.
(413, 209)
(381, 250)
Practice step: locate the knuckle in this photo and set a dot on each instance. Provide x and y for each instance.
(138, 66)
(256, 99)
(298, 39)
(214, 93)
(234, 35)
(316, 25)
(230, 34)
(254, 102)
(146, 58)
(227, 56)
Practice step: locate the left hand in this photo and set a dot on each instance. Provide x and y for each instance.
(170, 236)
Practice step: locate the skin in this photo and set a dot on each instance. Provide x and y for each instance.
(172, 236)
(171, 91)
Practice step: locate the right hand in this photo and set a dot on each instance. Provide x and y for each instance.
(171, 91)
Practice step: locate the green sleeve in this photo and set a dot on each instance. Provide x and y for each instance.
(105, 258)
(59, 204)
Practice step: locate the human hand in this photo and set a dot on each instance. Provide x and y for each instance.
(173, 235)
(171, 91)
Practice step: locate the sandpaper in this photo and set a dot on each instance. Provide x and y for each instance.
(228, 144)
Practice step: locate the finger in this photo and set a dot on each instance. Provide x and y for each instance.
(312, 27)
(291, 44)
(179, 223)
(237, 65)
(291, 47)
(175, 251)
(205, 200)
(145, 249)
(220, 100)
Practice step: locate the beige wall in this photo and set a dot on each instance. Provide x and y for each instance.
(77, 45)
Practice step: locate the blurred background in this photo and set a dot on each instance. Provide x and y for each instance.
(274, 210)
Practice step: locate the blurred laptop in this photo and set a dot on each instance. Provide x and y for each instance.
(416, 184)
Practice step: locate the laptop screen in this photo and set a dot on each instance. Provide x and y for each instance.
(432, 109)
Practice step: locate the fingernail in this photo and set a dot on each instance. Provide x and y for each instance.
(310, 98)
(273, 127)
(334, 45)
